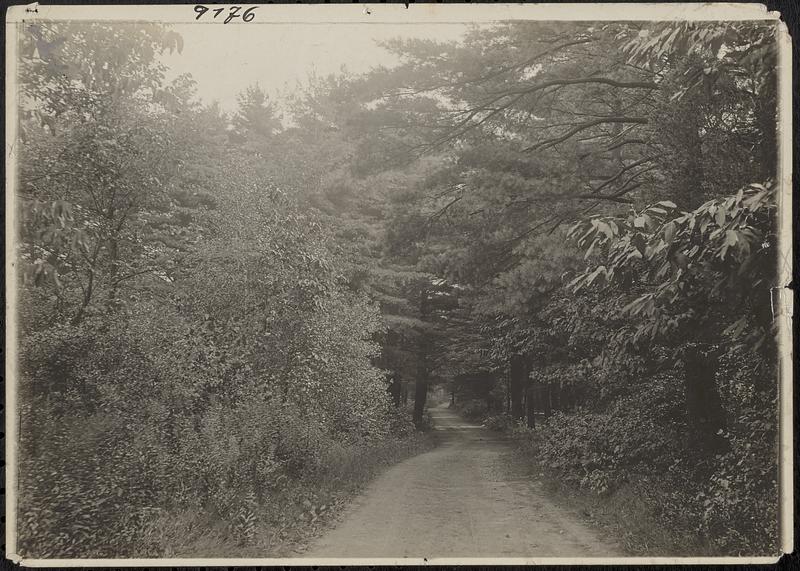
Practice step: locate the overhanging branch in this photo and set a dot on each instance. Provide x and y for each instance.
(582, 127)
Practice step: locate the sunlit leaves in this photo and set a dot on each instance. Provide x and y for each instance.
(719, 251)
(722, 47)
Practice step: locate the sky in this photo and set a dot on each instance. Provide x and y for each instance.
(225, 60)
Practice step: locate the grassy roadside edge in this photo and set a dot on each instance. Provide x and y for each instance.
(622, 516)
(302, 536)
(302, 511)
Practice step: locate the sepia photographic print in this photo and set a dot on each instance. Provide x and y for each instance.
(398, 284)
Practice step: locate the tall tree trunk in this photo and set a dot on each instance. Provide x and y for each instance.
(395, 390)
(556, 397)
(420, 396)
(689, 177)
(530, 405)
(113, 256)
(89, 289)
(518, 377)
(421, 386)
(547, 400)
(704, 413)
(113, 270)
(765, 111)
(569, 398)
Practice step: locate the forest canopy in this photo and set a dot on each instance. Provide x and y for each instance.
(569, 226)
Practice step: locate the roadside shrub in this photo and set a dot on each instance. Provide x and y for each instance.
(729, 500)
(743, 488)
(499, 422)
(597, 450)
(130, 419)
(401, 422)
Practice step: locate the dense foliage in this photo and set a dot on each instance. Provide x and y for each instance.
(605, 200)
(572, 226)
(190, 337)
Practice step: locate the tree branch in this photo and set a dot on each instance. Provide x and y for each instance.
(441, 211)
(582, 127)
(622, 171)
(501, 71)
(583, 80)
(610, 198)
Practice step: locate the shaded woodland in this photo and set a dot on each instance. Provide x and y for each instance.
(571, 227)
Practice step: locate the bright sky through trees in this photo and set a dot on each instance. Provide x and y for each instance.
(239, 56)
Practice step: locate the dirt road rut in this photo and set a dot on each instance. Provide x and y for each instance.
(457, 500)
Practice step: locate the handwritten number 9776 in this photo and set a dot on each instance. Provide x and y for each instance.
(233, 12)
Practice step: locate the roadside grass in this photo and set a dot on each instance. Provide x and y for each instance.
(622, 516)
(282, 527)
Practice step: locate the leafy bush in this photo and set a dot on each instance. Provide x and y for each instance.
(729, 500)
(134, 417)
(401, 423)
(499, 422)
(104, 455)
(743, 488)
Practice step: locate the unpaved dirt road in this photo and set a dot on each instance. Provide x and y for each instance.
(457, 500)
